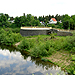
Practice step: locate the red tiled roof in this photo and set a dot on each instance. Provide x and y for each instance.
(53, 19)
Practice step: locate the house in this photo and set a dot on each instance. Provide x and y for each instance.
(52, 21)
(60, 21)
(11, 20)
(42, 23)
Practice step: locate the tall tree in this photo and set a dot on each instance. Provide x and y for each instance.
(7, 16)
(50, 17)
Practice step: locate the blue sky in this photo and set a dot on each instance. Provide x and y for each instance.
(37, 7)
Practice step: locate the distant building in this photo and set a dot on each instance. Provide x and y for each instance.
(52, 21)
(42, 23)
(60, 21)
(10, 20)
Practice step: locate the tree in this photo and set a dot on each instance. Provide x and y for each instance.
(66, 24)
(40, 18)
(65, 17)
(3, 18)
(17, 21)
(35, 17)
(3, 21)
(23, 14)
(50, 17)
(72, 24)
(7, 16)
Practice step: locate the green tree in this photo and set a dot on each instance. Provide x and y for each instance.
(40, 18)
(7, 16)
(72, 24)
(66, 24)
(17, 21)
(3, 21)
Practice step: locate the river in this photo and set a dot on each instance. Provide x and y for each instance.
(14, 62)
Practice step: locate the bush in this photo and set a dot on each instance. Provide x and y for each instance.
(47, 45)
(24, 45)
(73, 50)
(51, 50)
(53, 25)
(9, 38)
(39, 51)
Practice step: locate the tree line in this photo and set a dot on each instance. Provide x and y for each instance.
(68, 22)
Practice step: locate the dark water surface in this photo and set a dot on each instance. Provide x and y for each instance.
(14, 62)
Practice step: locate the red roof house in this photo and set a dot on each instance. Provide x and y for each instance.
(53, 21)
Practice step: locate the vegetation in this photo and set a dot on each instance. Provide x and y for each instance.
(41, 45)
(8, 37)
(67, 22)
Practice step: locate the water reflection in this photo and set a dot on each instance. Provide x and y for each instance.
(20, 63)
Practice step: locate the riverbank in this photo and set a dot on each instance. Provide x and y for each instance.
(59, 50)
(62, 59)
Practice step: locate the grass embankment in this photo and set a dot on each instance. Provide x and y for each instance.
(57, 49)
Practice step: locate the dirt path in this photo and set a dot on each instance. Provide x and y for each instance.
(17, 44)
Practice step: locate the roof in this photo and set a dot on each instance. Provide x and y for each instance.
(53, 19)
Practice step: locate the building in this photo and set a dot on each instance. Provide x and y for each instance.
(42, 23)
(52, 21)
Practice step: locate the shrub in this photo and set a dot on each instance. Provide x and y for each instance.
(51, 50)
(9, 38)
(32, 43)
(73, 50)
(47, 45)
(73, 57)
(53, 25)
(24, 45)
(39, 51)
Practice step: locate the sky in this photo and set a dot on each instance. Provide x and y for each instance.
(37, 7)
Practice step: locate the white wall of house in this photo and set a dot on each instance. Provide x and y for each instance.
(52, 22)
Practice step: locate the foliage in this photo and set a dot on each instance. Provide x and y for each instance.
(70, 44)
(73, 57)
(71, 70)
(66, 24)
(9, 38)
(24, 45)
(53, 25)
(26, 21)
(3, 21)
(71, 23)
(14, 30)
(39, 51)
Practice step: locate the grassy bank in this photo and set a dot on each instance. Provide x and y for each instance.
(58, 49)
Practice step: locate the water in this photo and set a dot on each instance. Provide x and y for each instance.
(14, 62)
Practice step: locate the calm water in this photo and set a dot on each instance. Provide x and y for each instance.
(14, 62)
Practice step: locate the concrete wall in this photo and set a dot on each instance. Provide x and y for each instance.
(64, 33)
(24, 32)
(32, 32)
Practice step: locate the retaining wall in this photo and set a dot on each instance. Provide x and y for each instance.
(42, 31)
(64, 33)
(33, 32)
